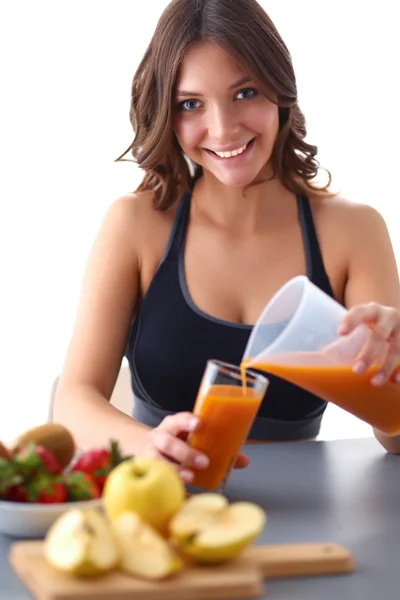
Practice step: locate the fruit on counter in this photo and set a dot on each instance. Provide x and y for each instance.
(9, 477)
(99, 462)
(32, 459)
(208, 529)
(4, 452)
(81, 486)
(54, 437)
(150, 487)
(196, 513)
(145, 553)
(205, 530)
(43, 489)
(81, 542)
(33, 473)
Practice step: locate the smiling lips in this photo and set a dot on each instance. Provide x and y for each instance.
(232, 153)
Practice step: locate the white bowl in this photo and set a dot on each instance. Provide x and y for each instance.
(31, 520)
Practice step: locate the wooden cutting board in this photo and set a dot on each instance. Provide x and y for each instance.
(241, 578)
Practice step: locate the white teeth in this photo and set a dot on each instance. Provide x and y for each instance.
(233, 153)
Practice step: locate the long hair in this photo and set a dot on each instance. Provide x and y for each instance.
(245, 31)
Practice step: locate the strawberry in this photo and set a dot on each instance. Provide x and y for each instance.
(9, 477)
(99, 462)
(33, 458)
(81, 486)
(51, 493)
(44, 489)
(17, 494)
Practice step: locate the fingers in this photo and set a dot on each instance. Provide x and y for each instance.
(376, 346)
(365, 313)
(165, 441)
(383, 344)
(241, 462)
(178, 450)
(387, 369)
(182, 422)
(185, 474)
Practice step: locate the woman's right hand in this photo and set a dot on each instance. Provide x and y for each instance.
(167, 441)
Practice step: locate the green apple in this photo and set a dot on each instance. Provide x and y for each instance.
(149, 487)
(145, 553)
(209, 530)
(81, 542)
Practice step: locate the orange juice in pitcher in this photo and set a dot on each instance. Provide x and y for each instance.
(296, 339)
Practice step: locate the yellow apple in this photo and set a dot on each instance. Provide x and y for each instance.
(150, 487)
(195, 514)
(209, 530)
(145, 552)
(81, 542)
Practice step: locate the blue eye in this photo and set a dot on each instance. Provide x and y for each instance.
(188, 105)
(247, 93)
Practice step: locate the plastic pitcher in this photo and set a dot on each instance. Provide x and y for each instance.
(296, 339)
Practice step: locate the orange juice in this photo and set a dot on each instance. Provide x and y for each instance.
(378, 406)
(226, 414)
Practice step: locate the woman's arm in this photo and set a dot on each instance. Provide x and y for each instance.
(106, 308)
(107, 305)
(373, 285)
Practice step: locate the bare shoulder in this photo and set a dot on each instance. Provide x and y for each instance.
(337, 215)
(138, 210)
(131, 210)
(134, 217)
(342, 208)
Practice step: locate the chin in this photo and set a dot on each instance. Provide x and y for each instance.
(237, 180)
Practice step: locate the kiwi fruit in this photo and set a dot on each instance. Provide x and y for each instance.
(54, 437)
(4, 452)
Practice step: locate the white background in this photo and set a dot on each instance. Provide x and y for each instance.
(65, 75)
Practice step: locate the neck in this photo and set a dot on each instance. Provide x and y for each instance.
(238, 208)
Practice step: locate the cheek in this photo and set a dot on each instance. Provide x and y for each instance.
(187, 131)
(265, 121)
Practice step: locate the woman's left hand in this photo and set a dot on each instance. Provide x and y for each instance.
(383, 344)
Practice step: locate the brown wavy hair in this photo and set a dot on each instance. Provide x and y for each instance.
(246, 32)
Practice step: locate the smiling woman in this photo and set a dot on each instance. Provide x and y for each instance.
(229, 209)
(222, 53)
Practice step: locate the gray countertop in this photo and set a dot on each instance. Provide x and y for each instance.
(345, 491)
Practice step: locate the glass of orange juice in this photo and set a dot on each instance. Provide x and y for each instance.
(227, 403)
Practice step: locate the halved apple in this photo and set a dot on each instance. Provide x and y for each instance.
(209, 530)
(81, 542)
(196, 514)
(145, 553)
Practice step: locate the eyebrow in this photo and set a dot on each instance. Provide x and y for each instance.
(235, 84)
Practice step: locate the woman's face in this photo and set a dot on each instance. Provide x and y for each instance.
(221, 119)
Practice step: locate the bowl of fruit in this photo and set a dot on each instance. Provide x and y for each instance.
(42, 475)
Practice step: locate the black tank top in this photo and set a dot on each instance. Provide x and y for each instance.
(171, 340)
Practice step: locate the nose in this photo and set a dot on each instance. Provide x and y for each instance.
(222, 124)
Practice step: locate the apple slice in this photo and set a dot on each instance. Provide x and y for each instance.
(196, 514)
(209, 530)
(145, 553)
(81, 542)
